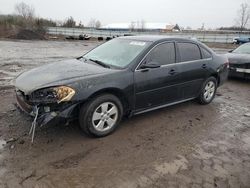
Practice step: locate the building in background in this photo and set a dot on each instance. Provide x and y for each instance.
(141, 26)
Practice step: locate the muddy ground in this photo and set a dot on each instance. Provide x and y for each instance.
(186, 145)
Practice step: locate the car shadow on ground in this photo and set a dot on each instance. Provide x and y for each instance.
(168, 116)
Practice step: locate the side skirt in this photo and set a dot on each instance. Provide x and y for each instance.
(161, 106)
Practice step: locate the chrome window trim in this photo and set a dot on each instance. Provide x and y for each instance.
(181, 62)
(136, 69)
(184, 62)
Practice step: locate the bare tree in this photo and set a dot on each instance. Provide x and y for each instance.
(132, 26)
(142, 25)
(98, 24)
(91, 23)
(81, 24)
(203, 26)
(59, 23)
(24, 10)
(70, 22)
(137, 26)
(243, 16)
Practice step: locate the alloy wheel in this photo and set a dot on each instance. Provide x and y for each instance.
(105, 116)
(209, 91)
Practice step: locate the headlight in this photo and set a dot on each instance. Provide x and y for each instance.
(64, 93)
(53, 94)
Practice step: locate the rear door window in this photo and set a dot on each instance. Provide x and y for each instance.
(206, 54)
(163, 54)
(189, 52)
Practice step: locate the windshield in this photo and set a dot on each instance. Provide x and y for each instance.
(117, 52)
(243, 49)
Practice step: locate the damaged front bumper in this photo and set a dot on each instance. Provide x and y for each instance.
(240, 70)
(46, 113)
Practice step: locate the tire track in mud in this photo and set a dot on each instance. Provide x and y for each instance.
(71, 161)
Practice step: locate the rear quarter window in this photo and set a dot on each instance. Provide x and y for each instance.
(189, 51)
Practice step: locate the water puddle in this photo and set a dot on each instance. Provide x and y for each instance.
(158, 171)
(172, 167)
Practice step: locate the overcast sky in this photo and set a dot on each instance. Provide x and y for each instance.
(214, 13)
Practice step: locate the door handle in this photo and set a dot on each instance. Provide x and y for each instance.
(204, 66)
(144, 70)
(172, 72)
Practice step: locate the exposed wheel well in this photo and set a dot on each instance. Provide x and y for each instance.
(217, 78)
(116, 92)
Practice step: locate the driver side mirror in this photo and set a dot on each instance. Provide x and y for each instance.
(150, 65)
(230, 51)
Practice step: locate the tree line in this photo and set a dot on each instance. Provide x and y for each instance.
(25, 17)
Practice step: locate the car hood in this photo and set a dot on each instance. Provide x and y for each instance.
(57, 74)
(238, 58)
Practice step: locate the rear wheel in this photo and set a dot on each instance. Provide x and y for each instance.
(208, 91)
(101, 115)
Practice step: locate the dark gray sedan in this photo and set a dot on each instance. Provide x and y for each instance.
(125, 76)
(239, 61)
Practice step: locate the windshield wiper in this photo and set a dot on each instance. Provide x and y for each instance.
(100, 63)
(82, 58)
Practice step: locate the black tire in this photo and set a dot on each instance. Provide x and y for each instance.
(201, 98)
(87, 112)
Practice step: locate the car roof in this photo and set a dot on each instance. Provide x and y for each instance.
(247, 43)
(155, 38)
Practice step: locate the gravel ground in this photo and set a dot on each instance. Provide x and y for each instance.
(186, 145)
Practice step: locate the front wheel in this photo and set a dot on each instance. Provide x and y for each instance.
(208, 91)
(101, 115)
